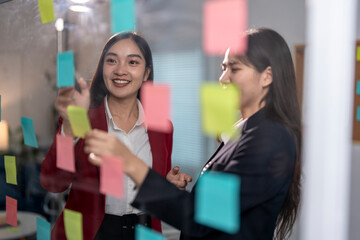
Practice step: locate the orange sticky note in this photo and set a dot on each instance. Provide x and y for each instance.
(224, 24)
(65, 153)
(156, 103)
(112, 176)
(11, 211)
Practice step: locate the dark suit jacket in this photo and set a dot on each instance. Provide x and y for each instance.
(264, 159)
(84, 194)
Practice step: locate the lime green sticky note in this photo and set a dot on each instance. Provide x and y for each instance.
(13, 229)
(73, 225)
(10, 169)
(219, 108)
(217, 201)
(46, 9)
(79, 120)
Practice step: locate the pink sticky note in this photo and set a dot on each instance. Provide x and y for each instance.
(11, 211)
(156, 103)
(112, 176)
(224, 24)
(65, 153)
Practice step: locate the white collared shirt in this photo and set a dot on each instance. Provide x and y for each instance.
(137, 141)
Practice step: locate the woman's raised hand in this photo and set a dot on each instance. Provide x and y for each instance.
(179, 179)
(69, 96)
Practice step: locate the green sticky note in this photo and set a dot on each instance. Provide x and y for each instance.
(10, 169)
(43, 229)
(217, 201)
(358, 53)
(73, 225)
(46, 9)
(144, 233)
(27, 125)
(122, 15)
(358, 87)
(79, 120)
(13, 229)
(65, 69)
(358, 114)
(219, 108)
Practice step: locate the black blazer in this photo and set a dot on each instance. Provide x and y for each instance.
(263, 157)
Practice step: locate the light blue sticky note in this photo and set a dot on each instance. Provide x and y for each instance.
(144, 233)
(358, 114)
(358, 87)
(65, 69)
(122, 15)
(43, 229)
(28, 132)
(217, 201)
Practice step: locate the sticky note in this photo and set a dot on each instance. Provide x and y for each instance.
(122, 15)
(73, 225)
(79, 120)
(11, 211)
(219, 108)
(43, 229)
(65, 69)
(358, 114)
(224, 24)
(217, 201)
(65, 153)
(144, 233)
(10, 169)
(46, 9)
(358, 53)
(357, 87)
(112, 176)
(156, 103)
(28, 132)
(17, 229)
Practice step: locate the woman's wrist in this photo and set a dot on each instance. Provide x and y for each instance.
(136, 169)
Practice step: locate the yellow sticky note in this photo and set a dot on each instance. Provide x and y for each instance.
(10, 169)
(73, 225)
(219, 107)
(46, 9)
(79, 120)
(358, 53)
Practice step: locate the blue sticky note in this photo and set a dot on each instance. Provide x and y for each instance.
(122, 15)
(144, 233)
(65, 69)
(217, 201)
(28, 132)
(358, 114)
(358, 87)
(43, 229)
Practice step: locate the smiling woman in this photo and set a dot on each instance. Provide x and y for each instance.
(125, 63)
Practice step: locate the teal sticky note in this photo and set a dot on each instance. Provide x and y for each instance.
(358, 87)
(358, 114)
(28, 132)
(65, 69)
(144, 233)
(43, 229)
(217, 201)
(122, 15)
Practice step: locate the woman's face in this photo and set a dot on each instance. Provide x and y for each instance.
(253, 85)
(124, 69)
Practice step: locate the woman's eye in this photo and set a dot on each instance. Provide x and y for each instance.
(234, 70)
(110, 60)
(133, 62)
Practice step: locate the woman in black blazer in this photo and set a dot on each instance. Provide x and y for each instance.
(266, 155)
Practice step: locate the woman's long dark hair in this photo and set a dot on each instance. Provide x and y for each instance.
(98, 89)
(267, 48)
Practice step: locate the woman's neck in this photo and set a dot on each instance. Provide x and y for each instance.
(123, 109)
(247, 112)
